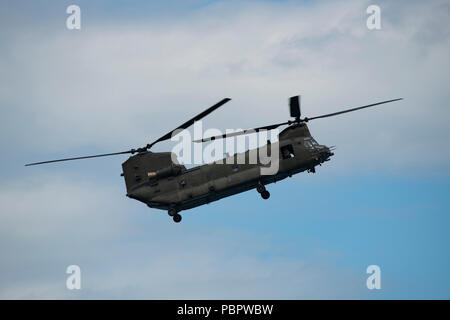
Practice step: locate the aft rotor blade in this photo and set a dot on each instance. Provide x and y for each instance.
(247, 131)
(191, 121)
(294, 107)
(79, 158)
(350, 110)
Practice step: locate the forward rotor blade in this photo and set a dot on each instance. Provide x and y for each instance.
(191, 121)
(247, 131)
(349, 110)
(78, 158)
(132, 151)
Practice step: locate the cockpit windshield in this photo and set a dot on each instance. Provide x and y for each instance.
(310, 143)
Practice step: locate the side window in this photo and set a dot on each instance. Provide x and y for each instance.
(287, 151)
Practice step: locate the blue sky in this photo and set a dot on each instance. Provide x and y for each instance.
(132, 72)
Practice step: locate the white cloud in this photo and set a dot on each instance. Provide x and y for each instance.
(119, 86)
(129, 253)
(111, 87)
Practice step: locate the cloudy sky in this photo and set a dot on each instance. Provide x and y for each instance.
(137, 69)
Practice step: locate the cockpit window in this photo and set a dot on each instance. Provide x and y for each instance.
(310, 143)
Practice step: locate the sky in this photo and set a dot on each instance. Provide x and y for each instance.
(138, 69)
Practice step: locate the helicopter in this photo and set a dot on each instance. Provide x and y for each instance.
(159, 181)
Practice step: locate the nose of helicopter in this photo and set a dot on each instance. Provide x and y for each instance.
(329, 151)
(326, 152)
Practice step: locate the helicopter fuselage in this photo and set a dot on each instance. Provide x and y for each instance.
(154, 180)
(158, 180)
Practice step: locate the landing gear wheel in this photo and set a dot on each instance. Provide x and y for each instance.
(172, 212)
(176, 218)
(265, 194)
(260, 188)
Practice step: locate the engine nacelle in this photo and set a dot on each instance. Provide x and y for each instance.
(148, 166)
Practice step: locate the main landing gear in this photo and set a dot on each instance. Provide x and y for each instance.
(312, 170)
(174, 214)
(262, 190)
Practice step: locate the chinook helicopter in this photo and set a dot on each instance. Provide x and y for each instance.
(159, 181)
